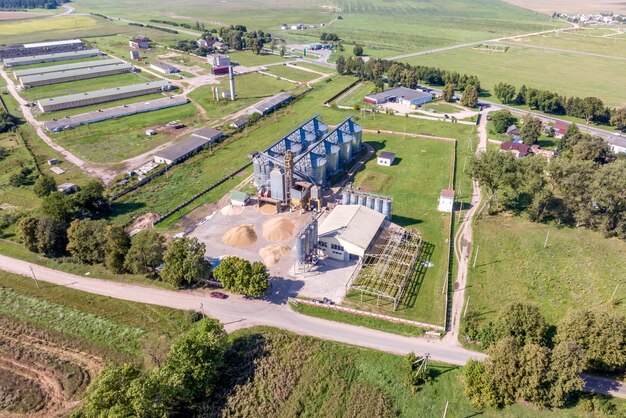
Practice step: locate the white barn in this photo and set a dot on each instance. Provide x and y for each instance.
(446, 201)
(386, 158)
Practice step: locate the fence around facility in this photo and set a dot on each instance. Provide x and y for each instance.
(332, 99)
(368, 314)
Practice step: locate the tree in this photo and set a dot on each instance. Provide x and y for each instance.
(116, 246)
(58, 206)
(238, 275)
(590, 148)
(86, 240)
(110, 392)
(566, 365)
(520, 99)
(51, 237)
(618, 119)
(194, 362)
(591, 108)
(145, 253)
(184, 262)
(257, 46)
(470, 96)
(90, 198)
(493, 170)
(447, 93)
(501, 120)
(531, 129)
(358, 50)
(7, 122)
(505, 92)
(524, 323)
(340, 65)
(28, 230)
(283, 50)
(478, 390)
(44, 185)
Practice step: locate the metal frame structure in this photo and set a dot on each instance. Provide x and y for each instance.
(387, 268)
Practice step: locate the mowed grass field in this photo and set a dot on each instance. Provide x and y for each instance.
(579, 41)
(577, 269)
(423, 167)
(292, 73)
(564, 73)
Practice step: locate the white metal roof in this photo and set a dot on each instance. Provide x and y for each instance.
(355, 226)
(53, 43)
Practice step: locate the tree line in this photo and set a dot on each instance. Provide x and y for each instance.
(236, 37)
(583, 187)
(530, 361)
(30, 4)
(592, 109)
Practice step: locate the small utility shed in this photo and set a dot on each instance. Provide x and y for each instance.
(188, 146)
(239, 198)
(164, 67)
(446, 201)
(386, 158)
(403, 95)
(349, 230)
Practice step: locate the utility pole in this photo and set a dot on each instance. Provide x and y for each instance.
(202, 310)
(476, 256)
(546, 241)
(613, 295)
(466, 305)
(34, 277)
(445, 411)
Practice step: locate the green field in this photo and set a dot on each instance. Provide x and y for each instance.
(564, 73)
(423, 167)
(306, 377)
(81, 86)
(442, 107)
(292, 73)
(314, 67)
(578, 268)
(250, 59)
(251, 88)
(612, 46)
(114, 140)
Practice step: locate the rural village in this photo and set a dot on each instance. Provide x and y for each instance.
(357, 209)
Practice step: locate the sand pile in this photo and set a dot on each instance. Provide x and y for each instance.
(241, 236)
(278, 229)
(267, 209)
(272, 253)
(231, 210)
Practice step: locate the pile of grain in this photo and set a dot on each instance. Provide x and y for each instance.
(231, 210)
(241, 236)
(267, 209)
(278, 229)
(272, 253)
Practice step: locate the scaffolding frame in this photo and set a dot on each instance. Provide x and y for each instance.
(387, 268)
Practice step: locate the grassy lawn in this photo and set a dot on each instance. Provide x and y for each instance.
(561, 72)
(314, 67)
(114, 140)
(442, 107)
(364, 321)
(576, 41)
(251, 88)
(357, 95)
(422, 168)
(25, 27)
(82, 86)
(322, 378)
(292, 73)
(250, 59)
(21, 197)
(578, 268)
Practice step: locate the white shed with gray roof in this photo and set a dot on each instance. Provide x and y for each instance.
(188, 146)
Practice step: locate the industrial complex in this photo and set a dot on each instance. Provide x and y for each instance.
(62, 56)
(64, 76)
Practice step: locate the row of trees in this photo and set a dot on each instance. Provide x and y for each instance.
(402, 74)
(592, 109)
(329, 37)
(526, 363)
(188, 375)
(238, 37)
(585, 186)
(30, 4)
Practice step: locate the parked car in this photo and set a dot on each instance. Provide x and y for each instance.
(218, 295)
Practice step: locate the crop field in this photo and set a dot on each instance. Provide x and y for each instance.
(292, 73)
(251, 88)
(576, 41)
(423, 167)
(279, 374)
(81, 86)
(114, 140)
(576, 6)
(578, 268)
(54, 340)
(564, 73)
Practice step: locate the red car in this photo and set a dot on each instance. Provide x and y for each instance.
(218, 295)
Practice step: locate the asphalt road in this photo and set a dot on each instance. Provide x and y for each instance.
(236, 313)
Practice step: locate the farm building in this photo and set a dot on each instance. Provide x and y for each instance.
(188, 146)
(349, 230)
(134, 55)
(240, 123)
(386, 158)
(62, 56)
(560, 129)
(512, 130)
(164, 68)
(220, 70)
(66, 67)
(516, 148)
(39, 48)
(218, 60)
(57, 125)
(618, 145)
(36, 80)
(403, 95)
(220, 46)
(446, 201)
(67, 188)
(139, 42)
(205, 43)
(239, 198)
(269, 105)
(102, 96)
